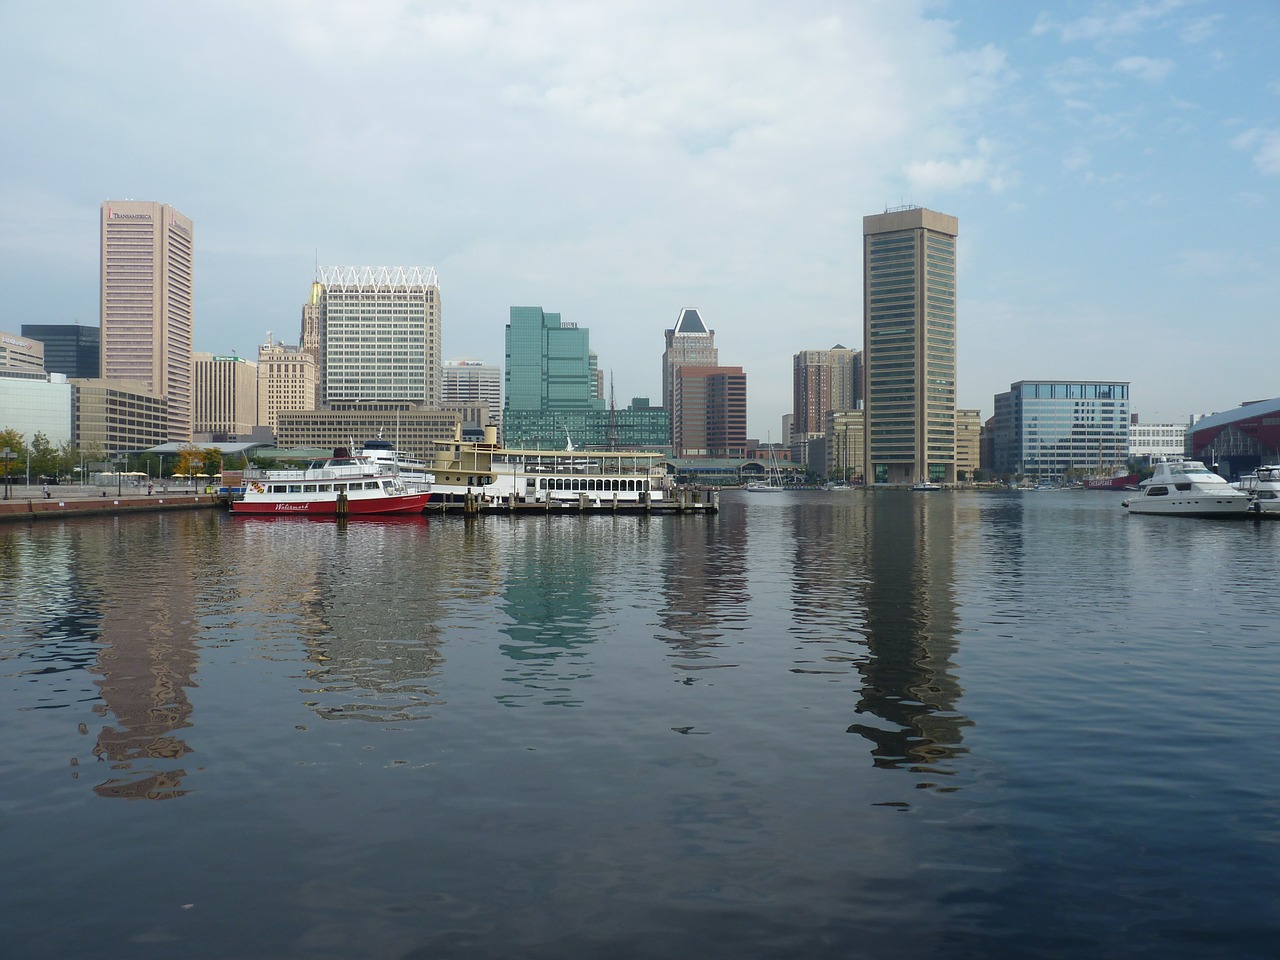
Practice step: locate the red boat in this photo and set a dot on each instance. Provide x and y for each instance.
(1120, 481)
(340, 486)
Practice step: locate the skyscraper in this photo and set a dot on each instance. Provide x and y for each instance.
(472, 383)
(309, 335)
(72, 349)
(822, 381)
(689, 341)
(226, 395)
(145, 303)
(709, 412)
(909, 341)
(286, 381)
(379, 334)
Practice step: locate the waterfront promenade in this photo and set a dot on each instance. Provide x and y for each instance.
(30, 503)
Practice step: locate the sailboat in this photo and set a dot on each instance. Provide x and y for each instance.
(772, 483)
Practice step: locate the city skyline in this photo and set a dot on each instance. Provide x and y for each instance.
(1114, 166)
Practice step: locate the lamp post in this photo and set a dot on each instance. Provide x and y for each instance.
(7, 455)
(119, 478)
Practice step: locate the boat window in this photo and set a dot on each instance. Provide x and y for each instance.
(277, 488)
(1157, 491)
(295, 488)
(324, 487)
(371, 484)
(1182, 486)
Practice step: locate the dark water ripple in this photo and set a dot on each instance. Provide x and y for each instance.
(819, 725)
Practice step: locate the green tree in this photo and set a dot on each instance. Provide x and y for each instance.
(44, 457)
(17, 463)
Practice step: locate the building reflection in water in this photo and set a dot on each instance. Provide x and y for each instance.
(909, 694)
(148, 657)
(339, 589)
(704, 590)
(551, 597)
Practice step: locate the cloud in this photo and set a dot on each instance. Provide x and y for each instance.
(1265, 145)
(1145, 68)
(1107, 25)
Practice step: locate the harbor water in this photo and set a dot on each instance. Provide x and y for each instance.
(816, 724)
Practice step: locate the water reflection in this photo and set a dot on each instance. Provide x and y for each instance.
(911, 626)
(554, 592)
(703, 590)
(147, 656)
(368, 626)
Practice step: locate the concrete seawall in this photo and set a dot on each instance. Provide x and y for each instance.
(55, 507)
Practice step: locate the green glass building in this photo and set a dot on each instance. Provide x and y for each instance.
(553, 393)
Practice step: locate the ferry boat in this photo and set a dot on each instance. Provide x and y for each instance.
(487, 472)
(1187, 488)
(1263, 487)
(414, 471)
(339, 486)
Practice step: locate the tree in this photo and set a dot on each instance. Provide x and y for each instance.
(212, 457)
(44, 457)
(190, 459)
(17, 464)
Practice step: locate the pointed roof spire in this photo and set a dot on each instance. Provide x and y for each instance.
(690, 322)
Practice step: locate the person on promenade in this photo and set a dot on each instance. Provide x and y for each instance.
(46, 491)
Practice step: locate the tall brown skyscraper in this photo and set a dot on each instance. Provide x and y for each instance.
(145, 303)
(688, 342)
(909, 343)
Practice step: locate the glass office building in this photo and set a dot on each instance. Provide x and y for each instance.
(1045, 428)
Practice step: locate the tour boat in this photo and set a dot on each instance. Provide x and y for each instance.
(339, 486)
(487, 472)
(415, 472)
(1187, 488)
(1263, 488)
(925, 486)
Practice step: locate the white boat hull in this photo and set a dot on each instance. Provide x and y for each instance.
(1205, 506)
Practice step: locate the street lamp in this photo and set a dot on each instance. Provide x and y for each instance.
(8, 456)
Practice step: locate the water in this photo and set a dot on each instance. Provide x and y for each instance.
(815, 725)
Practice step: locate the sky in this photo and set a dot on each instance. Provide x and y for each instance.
(1114, 166)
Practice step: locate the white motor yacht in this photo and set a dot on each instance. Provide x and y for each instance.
(1263, 487)
(1187, 488)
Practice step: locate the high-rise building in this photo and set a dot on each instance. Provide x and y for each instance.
(846, 445)
(689, 341)
(146, 303)
(822, 381)
(379, 334)
(309, 335)
(469, 384)
(472, 382)
(226, 395)
(968, 443)
(909, 343)
(709, 412)
(286, 381)
(550, 372)
(1045, 428)
(70, 349)
(19, 355)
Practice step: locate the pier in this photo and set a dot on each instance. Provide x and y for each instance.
(72, 501)
(692, 500)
